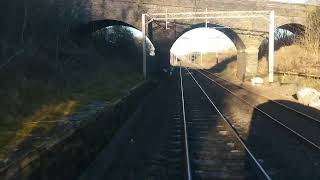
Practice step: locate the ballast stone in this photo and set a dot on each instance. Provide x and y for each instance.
(309, 97)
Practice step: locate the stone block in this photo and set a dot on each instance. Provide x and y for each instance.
(309, 97)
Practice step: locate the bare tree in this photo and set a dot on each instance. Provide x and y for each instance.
(24, 25)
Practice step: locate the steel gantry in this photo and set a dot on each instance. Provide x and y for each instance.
(206, 15)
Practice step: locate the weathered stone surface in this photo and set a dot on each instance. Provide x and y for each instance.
(309, 96)
(246, 33)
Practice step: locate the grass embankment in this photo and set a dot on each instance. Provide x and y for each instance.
(16, 127)
(223, 62)
(44, 76)
(294, 59)
(298, 54)
(41, 86)
(211, 60)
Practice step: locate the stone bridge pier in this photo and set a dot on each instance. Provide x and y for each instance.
(247, 58)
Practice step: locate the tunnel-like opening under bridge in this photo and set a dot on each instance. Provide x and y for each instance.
(234, 24)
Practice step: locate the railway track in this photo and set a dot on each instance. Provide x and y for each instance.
(213, 148)
(284, 140)
(222, 131)
(218, 78)
(302, 125)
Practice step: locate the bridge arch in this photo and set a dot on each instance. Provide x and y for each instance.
(231, 34)
(286, 34)
(242, 55)
(295, 28)
(84, 30)
(130, 12)
(109, 37)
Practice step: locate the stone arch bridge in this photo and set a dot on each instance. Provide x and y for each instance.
(247, 34)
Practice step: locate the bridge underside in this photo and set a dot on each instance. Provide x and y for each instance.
(246, 43)
(247, 34)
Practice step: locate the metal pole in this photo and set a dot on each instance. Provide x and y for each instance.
(201, 59)
(172, 58)
(166, 19)
(217, 58)
(144, 46)
(206, 17)
(271, 45)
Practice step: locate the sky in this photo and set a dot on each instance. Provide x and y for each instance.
(201, 40)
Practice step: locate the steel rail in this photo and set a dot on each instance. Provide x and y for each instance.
(185, 128)
(266, 114)
(266, 176)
